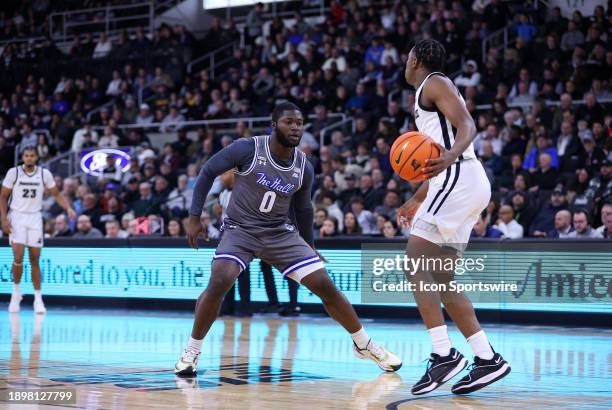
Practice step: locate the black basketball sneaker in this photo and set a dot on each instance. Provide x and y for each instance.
(482, 373)
(440, 369)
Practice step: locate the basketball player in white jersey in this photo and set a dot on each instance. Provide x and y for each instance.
(20, 209)
(441, 215)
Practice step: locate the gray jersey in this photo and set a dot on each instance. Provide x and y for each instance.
(261, 196)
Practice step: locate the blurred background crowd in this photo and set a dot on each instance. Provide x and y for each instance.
(540, 103)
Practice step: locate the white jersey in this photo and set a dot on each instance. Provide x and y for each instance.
(431, 122)
(28, 189)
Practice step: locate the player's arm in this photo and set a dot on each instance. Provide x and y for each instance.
(441, 92)
(63, 202)
(4, 197)
(302, 207)
(406, 212)
(238, 154)
(7, 188)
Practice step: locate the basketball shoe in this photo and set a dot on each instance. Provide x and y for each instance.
(482, 373)
(440, 369)
(15, 302)
(379, 355)
(187, 364)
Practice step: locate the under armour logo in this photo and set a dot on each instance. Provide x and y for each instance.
(296, 175)
(262, 160)
(415, 164)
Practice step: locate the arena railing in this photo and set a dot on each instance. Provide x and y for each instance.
(215, 58)
(249, 122)
(547, 104)
(61, 24)
(331, 127)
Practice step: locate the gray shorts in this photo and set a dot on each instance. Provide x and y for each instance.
(282, 248)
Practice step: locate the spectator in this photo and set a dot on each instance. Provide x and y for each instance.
(61, 228)
(592, 155)
(582, 229)
(180, 197)
(391, 202)
(389, 229)
(351, 226)
(109, 139)
(482, 230)
(147, 204)
(103, 46)
(469, 77)
(174, 229)
(606, 228)
(85, 229)
(329, 228)
(507, 225)
(114, 231)
(328, 200)
(542, 146)
(173, 121)
(525, 29)
(365, 218)
(254, 22)
(563, 225)
(546, 177)
(571, 38)
(213, 233)
(569, 149)
(144, 116)
(111, 173)
(544, 219)
(80, 136)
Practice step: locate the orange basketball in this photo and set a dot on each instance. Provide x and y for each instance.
(409, 153)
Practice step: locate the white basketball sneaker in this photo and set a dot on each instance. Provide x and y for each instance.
(187, 364)
(15, 302)
(379, 355)
(39, 306)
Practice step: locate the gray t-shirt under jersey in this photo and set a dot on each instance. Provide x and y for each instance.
(268, 192)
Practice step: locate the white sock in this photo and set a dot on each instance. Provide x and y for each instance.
(194, 344)
(16, 288)
(37, 294)
(480, 345)
(439, 340)
(361, 338)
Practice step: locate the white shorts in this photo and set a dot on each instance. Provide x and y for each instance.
(454, 201)
(26, 228)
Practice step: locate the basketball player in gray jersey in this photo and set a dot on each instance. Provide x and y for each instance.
(271, 192)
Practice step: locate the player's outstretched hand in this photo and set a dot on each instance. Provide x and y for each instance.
(71, 214)
(436, 165)
(405, 213)
(320, 256)
(6, 226)
(195, 230)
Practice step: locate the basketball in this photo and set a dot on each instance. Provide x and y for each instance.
(409, 153)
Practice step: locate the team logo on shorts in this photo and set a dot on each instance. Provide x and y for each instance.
(290, 227)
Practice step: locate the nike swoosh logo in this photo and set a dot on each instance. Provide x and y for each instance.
(498, 360)
(397, 161)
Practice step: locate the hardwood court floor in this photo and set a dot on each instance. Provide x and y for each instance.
(118, 359)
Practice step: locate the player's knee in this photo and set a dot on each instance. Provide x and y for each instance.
(322, 286)
(219, 285)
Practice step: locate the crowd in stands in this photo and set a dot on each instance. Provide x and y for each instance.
(548, 158)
